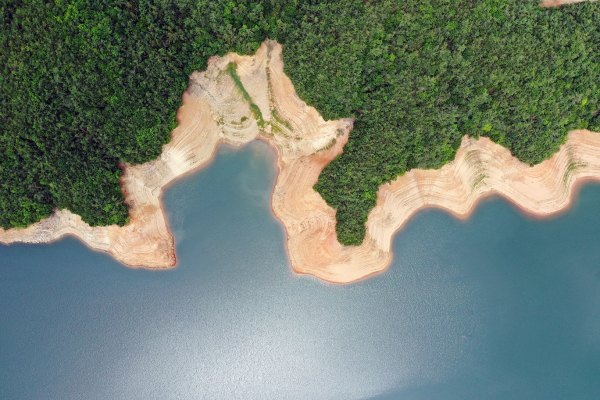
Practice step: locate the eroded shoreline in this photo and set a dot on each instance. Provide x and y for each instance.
(215, 110)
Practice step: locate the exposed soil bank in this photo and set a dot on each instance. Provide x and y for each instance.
(558, 3)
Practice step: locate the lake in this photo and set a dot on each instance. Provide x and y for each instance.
(501, 306)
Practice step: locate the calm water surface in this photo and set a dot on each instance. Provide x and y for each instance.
(498, 307)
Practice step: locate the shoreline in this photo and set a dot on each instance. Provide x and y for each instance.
(544, 191)
(215, 110)
(210, 98)
(523, 212)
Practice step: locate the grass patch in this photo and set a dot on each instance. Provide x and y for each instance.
(281, 121)
(232, 69)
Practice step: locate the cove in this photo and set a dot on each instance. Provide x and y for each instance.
(499, 306)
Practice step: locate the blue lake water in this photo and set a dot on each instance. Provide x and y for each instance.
(501, 306)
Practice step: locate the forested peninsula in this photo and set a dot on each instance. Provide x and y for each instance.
(87, 88)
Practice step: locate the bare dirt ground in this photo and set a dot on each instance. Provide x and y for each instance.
(558, 3)
(216, 109)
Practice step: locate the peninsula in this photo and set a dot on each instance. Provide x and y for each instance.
(243, 98)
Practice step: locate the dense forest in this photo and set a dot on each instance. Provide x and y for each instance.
(88, 85)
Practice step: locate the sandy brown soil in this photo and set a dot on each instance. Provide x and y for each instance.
(558, 3)
(214, 110)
